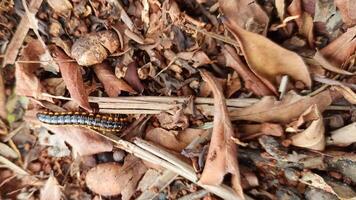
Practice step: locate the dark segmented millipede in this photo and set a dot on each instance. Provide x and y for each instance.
(94, 121)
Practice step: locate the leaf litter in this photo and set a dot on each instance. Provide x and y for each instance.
(197, 82)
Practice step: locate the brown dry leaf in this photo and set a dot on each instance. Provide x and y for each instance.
(27, 83)
(312, 179)
(198, 58)
(318, 57)
(113, 85)
(102, 179)
(73, 79)
(233, 84)
(174, 140)
(252, 82)
(83, 140)
(347, 9)
(348, 94)
(60, 6)
(280, 6)
(268, 109)
(249, 131)
(246, 14)
(307, 28)
(222, 156)
(93, 48)
(131, 77)
(177, 120)
(51, 190)
(343, 136)
(268, 60)
(340, 50)
(313, 136)
(295, 9)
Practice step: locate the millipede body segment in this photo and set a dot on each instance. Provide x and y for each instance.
(94, 121)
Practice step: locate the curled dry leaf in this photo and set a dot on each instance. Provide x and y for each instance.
(131, 77)
(314, 180)
(343, 136)
(60, 6)
(340, 50)
(102, 179)
(83, 140)
(247, 14)
(117, 179)
(72, 77)
(249, 131)
(347, 10)
(269, 109)
(348, 94)
(313, 136)
(252, 82)
(268, 60)
(318, 57)
(51, 190)
(174, 140)
(27, 83)
(222, 156)
(113, 85)
(198, 58)
(178, 119)
(93, 48)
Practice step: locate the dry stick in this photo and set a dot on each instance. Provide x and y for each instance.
(149, 155)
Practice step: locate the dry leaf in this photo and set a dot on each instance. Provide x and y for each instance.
(347, 9)
(313, 136)
(60, 6)
(113, 85)
(268, 60)
(27, 83)
(8, 152)
(340, 50)
(280, 8)
(93, 48)
(103, 179)
(51, 190)
(83, 140)
(317, 181)
(268, 109)
(233, 84)
(222, 156)
(252, 82)
(307, 28)
(177, 120)
(343, 136)
(348, 94)
(246, 14)
(249, 131)
(198, 58)
(72, 77)
(131, 77)
(174, 140)
(318, 57)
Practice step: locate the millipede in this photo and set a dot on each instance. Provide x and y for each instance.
(93, 121)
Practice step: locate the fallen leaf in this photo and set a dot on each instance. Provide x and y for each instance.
(268, 60)
(268, 109)
(348, 94)
(174, 140)
(198, 58)
(295, 9)
(250, 131)
(341, 49)
(313, 137)
(93, 48)
(252, 82)
(307, 28)
(233, 84)
(8, 152)
(131, 77)
(30, 85)
(107, 173)
(280, 6)
(314, 180)
(83, 140)
(73, 79)
(113, 85)
(56, 144)
(246, 14)
(347, 8)
(51, 190)
(61, 7)
(343, 136)
(318, 57)
(177, 120)
(222, 156)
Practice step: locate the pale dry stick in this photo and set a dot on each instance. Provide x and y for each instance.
(222, 191)
(10, 165)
